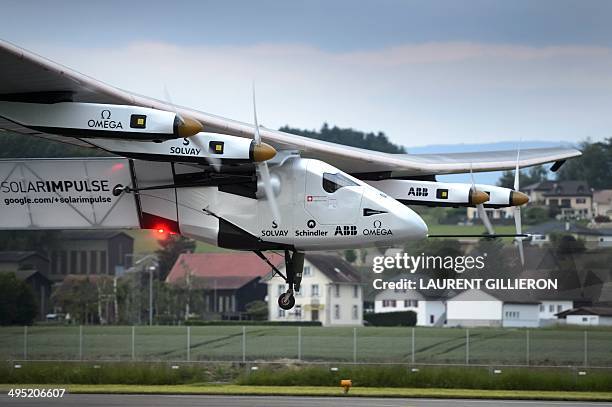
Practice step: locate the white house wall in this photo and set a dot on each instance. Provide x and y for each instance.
(474, 308)
(326, 300)
(547, 315)
(520, 315)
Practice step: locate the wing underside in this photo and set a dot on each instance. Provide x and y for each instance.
(25, 76)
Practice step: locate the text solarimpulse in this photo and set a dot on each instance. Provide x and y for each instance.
(96, 185)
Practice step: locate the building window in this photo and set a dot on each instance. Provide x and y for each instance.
(512, 314)
(542, 307)
(551, 308)
(93, 262)
(584, 319)
(337, 311)
(281, 313)
(103, 267)
(298, 311)
(389, 303)
(84, 268)
(355, 312)
(559, 308)
(580, 200)
(337, 290)
(431, 319)
(314, 289)
(307, 271)
(73, 263)
(355, 291)
(63, 261)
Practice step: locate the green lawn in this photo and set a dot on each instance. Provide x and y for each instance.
(376, 345)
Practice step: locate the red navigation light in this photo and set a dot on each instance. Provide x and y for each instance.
(160, 230)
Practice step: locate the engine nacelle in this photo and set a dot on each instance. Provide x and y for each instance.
(94, 120)
(430, 193)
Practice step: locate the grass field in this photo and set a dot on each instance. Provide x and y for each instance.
(561, 347)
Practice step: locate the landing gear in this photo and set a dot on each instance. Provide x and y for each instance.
(294, 265)
(286, 301)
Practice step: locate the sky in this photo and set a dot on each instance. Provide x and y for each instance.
(423, 72)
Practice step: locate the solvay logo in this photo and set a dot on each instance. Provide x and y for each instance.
(105, 121)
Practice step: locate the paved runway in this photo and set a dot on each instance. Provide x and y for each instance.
(107, 400)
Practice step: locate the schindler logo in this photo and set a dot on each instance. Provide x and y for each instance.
(105, 122)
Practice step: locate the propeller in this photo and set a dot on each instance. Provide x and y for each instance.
(215, 163)
(517, 208)
(477, 198)
(262, 166)
(187, 126)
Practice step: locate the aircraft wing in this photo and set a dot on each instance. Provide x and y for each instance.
(27, 76)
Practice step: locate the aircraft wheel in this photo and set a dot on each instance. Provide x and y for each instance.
(286, 301)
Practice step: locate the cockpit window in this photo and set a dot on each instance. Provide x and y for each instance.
(333, 182)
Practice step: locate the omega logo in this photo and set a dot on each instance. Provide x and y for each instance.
(377, 224)
(105, 122)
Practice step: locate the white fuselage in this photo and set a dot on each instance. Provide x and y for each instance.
(312, 217)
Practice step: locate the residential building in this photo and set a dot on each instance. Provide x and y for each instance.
(500, 214)
(592, 237)
(429, 306)
(573, 199)
(598, 316)
(602, 203)
(331, 292)
(226, 282)
(91, 252)
(488, 308)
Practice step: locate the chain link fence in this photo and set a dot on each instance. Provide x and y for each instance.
(444, 346)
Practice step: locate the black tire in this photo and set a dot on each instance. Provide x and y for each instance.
(286, 301)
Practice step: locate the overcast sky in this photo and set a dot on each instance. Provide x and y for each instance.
(422, 72)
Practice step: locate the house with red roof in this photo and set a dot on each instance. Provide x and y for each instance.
(226, 282)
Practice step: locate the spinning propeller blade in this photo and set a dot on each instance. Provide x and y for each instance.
(482, 214)
(262, 167)
(517, 208)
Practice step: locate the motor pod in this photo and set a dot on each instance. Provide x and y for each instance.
(95, 120)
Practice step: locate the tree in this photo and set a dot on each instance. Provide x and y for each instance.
(35, 240)
(171, 247)
(349, 137)
(527, 177)
(17, 302)
(257, 310)
(595, 165)
(535, 215)
(566, 244)
(350, 255)
(78, 296)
